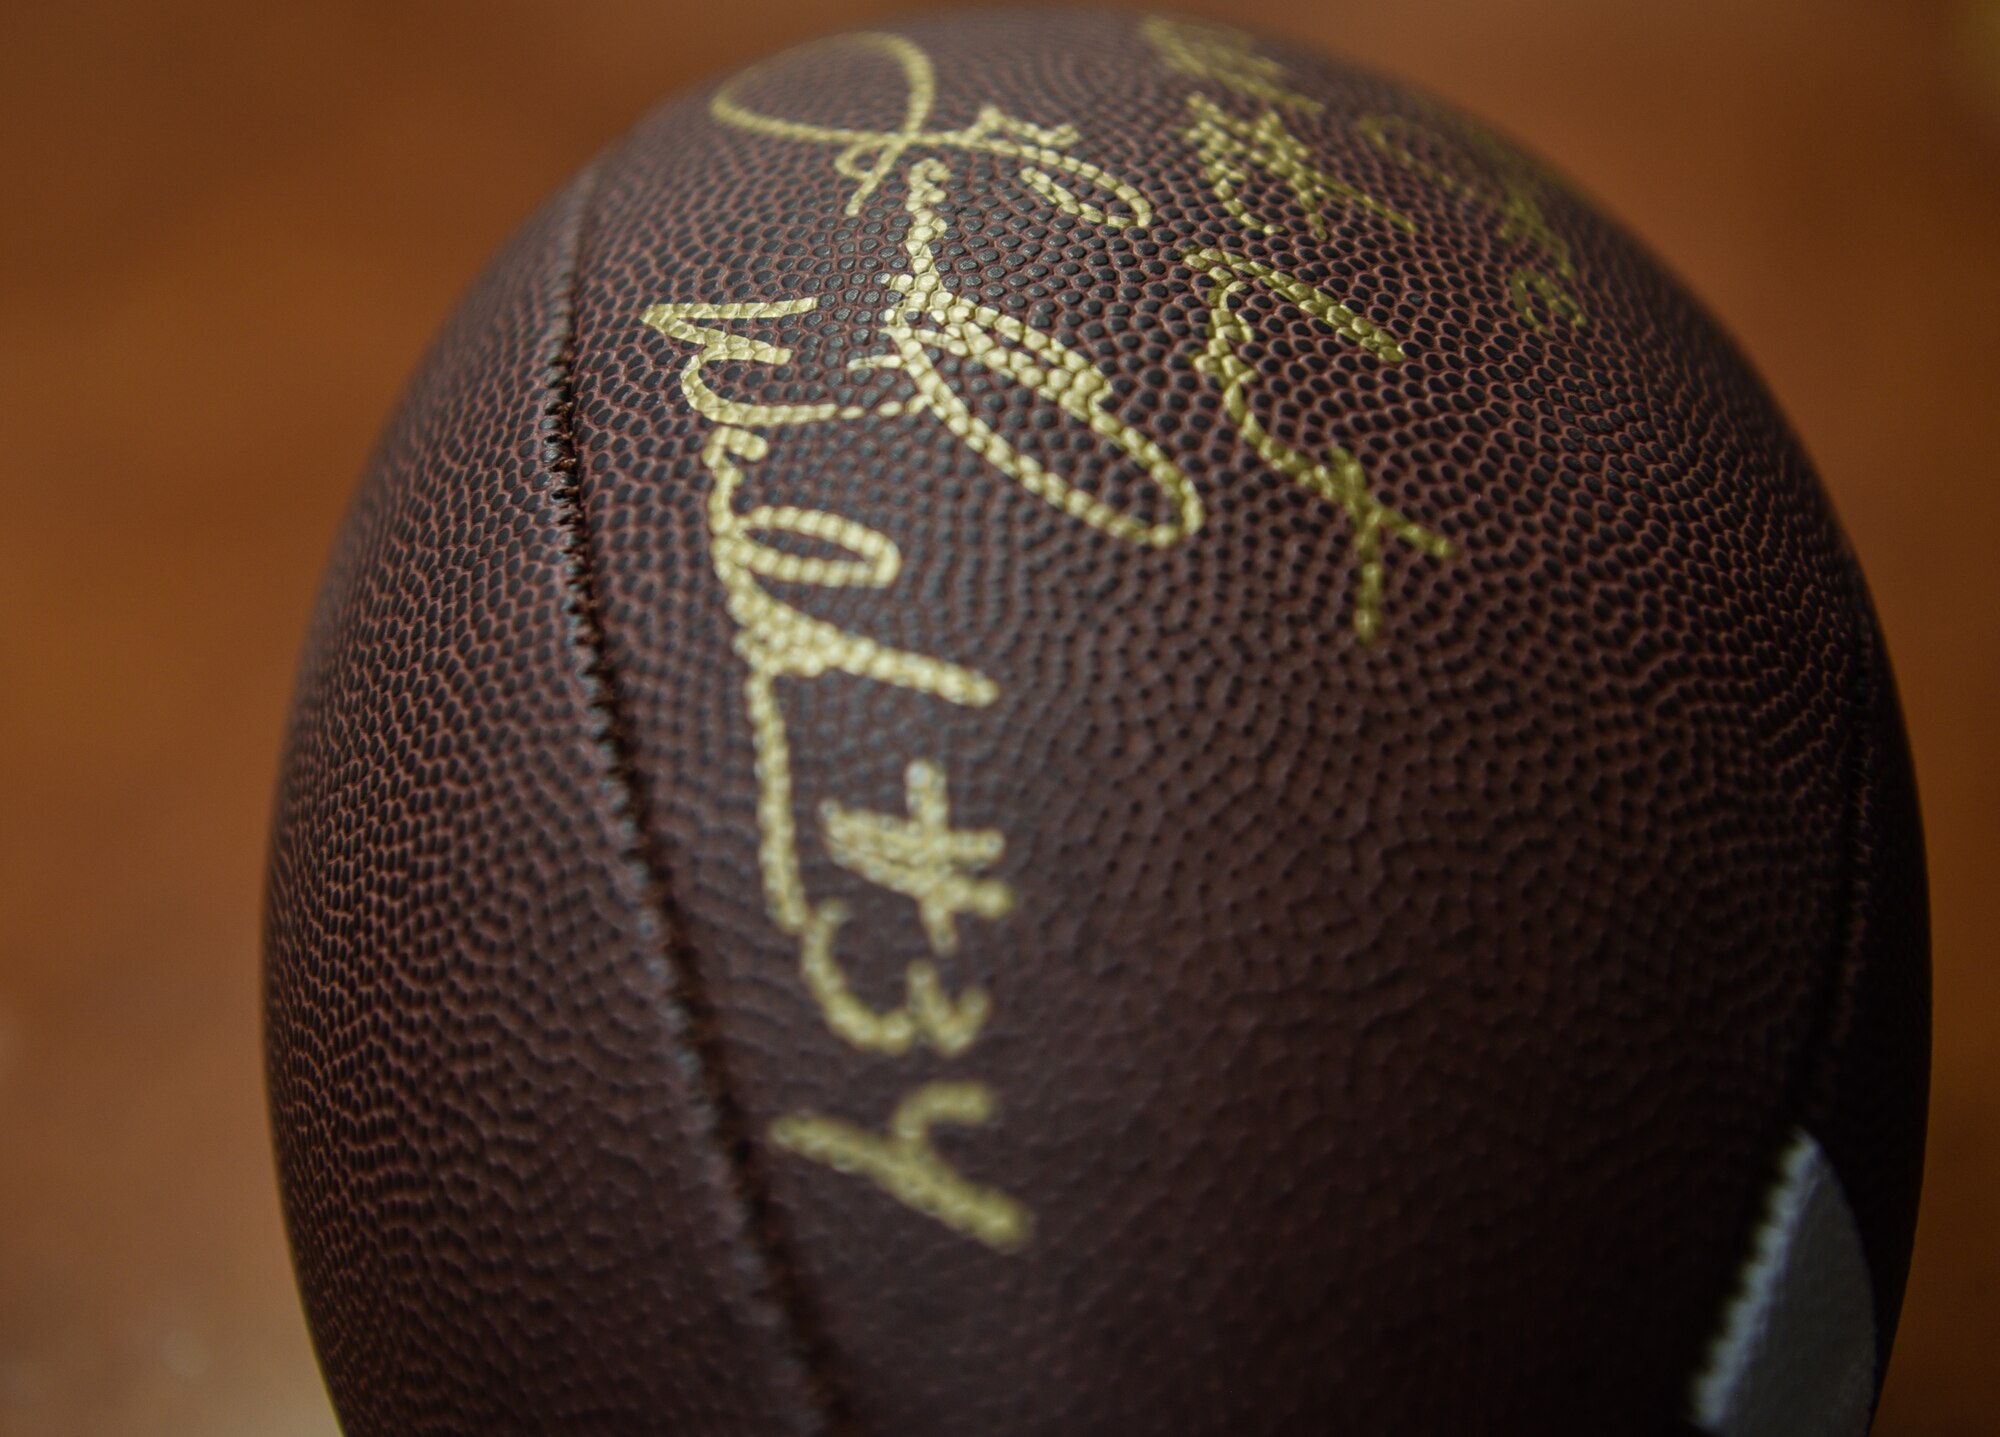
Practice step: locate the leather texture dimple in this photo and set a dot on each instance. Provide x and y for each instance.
(1390, 1035)
(1868, 1085)
(506, 1211)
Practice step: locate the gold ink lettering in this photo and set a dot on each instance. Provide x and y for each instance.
(1513, 203)
(906, 1166)
(922, 856)
(1338, 478)
(929, 316)
(932, 334)
(1526, 286)
(1225, 144)
(775, 640)
(1223, 56)
(721, 346)
(1380, 131)
(925, 315)
(929, 1014)
(868, 157)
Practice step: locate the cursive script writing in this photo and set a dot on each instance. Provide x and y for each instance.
(1337, 477)
(1513, 201)
(926, 338)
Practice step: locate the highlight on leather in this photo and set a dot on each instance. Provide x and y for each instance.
(1074, 723)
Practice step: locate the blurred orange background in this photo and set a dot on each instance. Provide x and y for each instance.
(230, 230)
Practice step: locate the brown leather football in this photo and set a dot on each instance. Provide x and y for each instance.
(1073, 724)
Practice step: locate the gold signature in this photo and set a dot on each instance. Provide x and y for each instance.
(868, 157)
(761, 550)
(1337, 477)
(1513, 201)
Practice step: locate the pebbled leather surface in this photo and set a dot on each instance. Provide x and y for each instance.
(1396, 1034)
(508, 1208)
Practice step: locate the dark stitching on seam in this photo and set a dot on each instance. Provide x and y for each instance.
(693, 1019)
(1861, 763)
(1857, 764)
(1864, 762)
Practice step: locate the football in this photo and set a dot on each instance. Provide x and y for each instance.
(1073, 723)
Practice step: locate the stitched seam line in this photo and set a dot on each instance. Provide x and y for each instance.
(692, 1019)
(1851, 950)
(1809, 1063)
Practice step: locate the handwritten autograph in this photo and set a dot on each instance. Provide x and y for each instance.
(926, 333)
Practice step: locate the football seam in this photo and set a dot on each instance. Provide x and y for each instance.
(1821, 1076)
(693, 1019)
(1849, 945)
(1810, 1065)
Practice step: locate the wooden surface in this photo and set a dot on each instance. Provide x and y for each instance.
(230, 229)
